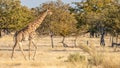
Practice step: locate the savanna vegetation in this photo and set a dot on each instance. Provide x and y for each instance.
(98, 18)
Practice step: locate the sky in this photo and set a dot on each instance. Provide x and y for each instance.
(35, 3)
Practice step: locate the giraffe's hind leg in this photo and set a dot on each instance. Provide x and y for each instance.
(13, 50)
(20, 45)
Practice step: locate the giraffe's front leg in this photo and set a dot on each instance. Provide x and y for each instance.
(30, 48)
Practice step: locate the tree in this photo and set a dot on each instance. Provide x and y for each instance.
(113, 20)
(62, 22)
(98, 16)
(13, 15)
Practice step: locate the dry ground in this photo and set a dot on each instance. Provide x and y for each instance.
(48, 57)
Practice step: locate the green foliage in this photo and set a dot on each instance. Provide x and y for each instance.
(14, 15)
(112, 19)
(92, 13)
(62, 22)
(85, 16)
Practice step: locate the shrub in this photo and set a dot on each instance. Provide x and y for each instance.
(76, 58)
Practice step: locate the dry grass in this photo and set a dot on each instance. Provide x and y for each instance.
(77, 61)
(101, 59)
(111, 61)
(76, 58)
(90, 56)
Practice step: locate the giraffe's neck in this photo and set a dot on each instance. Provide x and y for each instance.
(41, 18)
(34, 25)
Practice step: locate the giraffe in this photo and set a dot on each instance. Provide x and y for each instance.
(28, 33)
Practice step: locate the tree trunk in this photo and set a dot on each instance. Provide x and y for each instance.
(64, 44)
(112, 42)
(102, 41)
(110, 39)
(91, 34)
(51, 36)
(75, 41)
(6, 31)
(116, 38)
(0, 33)
(52, 41)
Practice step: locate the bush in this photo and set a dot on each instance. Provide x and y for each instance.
(76, 58)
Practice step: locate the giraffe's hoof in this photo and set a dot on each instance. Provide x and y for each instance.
(12, 58)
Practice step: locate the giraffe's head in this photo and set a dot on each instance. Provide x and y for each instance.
(49, 12)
